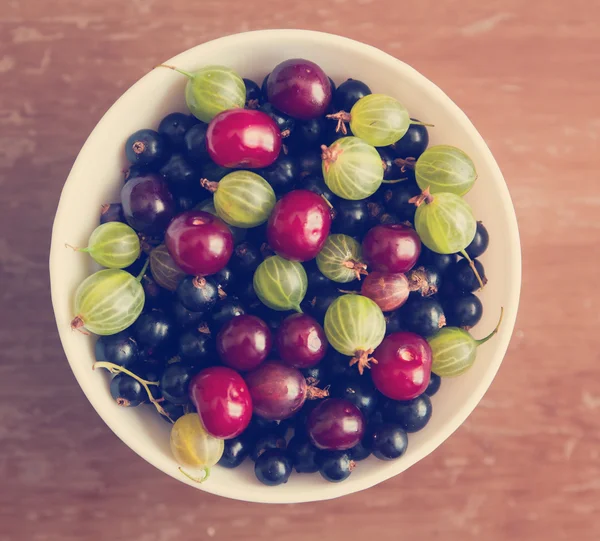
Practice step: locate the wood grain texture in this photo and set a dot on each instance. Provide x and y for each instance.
(526, 464)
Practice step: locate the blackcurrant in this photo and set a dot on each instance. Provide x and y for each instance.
(316, 184)
(310, 163)
(391, 171)
(225, 279)
(303, 455)
(245, 259)
(253, 94)
(225, 310)
(174, 411)
(413, 143)
(175, 126)
(184, 317)
(112, 212)
(317, 281)
(393, 322)
(388, 441)
(120, 349)
(425, 281)
(236, 450)
(154, 329)
(197, 346)
(147, 148)
(396, 197)
(351, 217)
(337, 366)
(411, 415)
(463, 310)
(284, 122)
(360, 451)
(181, 176)
(434, 385)
(273, 467)
(462, 276)
(317, 373)
(348, 93)
(441, 261)
(263, 88)
(335, 466)
(267, 441)
(198, 294)
(310, 133)
(175, 381)
(247, 294)
(479, 243)
(357, 390)
(423, 315)
(127, 391)
(195, 144)
(282, 174)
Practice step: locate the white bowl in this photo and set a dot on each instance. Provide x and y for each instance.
(96, 178)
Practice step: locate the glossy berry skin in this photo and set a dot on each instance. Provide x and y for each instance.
(273, 467)
(396, 198)
(357, 390)
(195, 144)
(388, 441)
(196, 346)
(223, 401)
(299, 225)
(393, 322)
(391, 248)
(462, 276)
(434, 385)
(244, 342)
(285, 123)
(126, 391)
(225, 311)
(181, 176)
(390, 170)
(120, 349)
(480, 242)
(186, 318)
(253, 95)
(267, 441)
(335, 466)
(281, 175)
(198, 294)
(245, 259)
(148, 205)
(303, 455)
(403, 366)
(411, 415)
(243, 138)
(442, 262)
(154, 329)
(310, 133)
(174, 127)
(316, 184)
(175, 382)
(112, 212)
(348, 93)
(236, 450)
(351, 217)
(463, 310)
(423, 315)
(335, 424)
(360, 451)
(278, 391)
(225, 279)
(200, 243)
(299, 88)
(301, 341)
(148, 148)
(413, 143)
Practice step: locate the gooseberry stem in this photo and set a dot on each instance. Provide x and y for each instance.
(357, 266)
(342, 117)
(473, 268)
(178, 70)
(197, 479)
(330, 154)
(116, 369)
(143, 271)
(394, 181)
(209, 185)
(419, 123)
(363, 359)
(297, 308)
(75, 249)
(423, 197)
(408, 163)
(484, 340)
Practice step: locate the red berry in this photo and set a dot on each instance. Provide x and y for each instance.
(299, 225)
(301, 341)
(223, 401)
(388, 290)
(199, 243)
(278, 391)
(391, 248)
(299, 88)
(335, 424)
(243, 138)
(403, 366)
(244, 342)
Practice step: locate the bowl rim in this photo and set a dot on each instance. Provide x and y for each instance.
(246, 39)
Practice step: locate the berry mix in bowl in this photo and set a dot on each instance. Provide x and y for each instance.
(286, 278)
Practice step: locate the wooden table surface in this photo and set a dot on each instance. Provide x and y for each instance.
(526, 464)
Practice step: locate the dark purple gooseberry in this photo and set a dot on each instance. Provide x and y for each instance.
(299, 88)
(148, 205)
